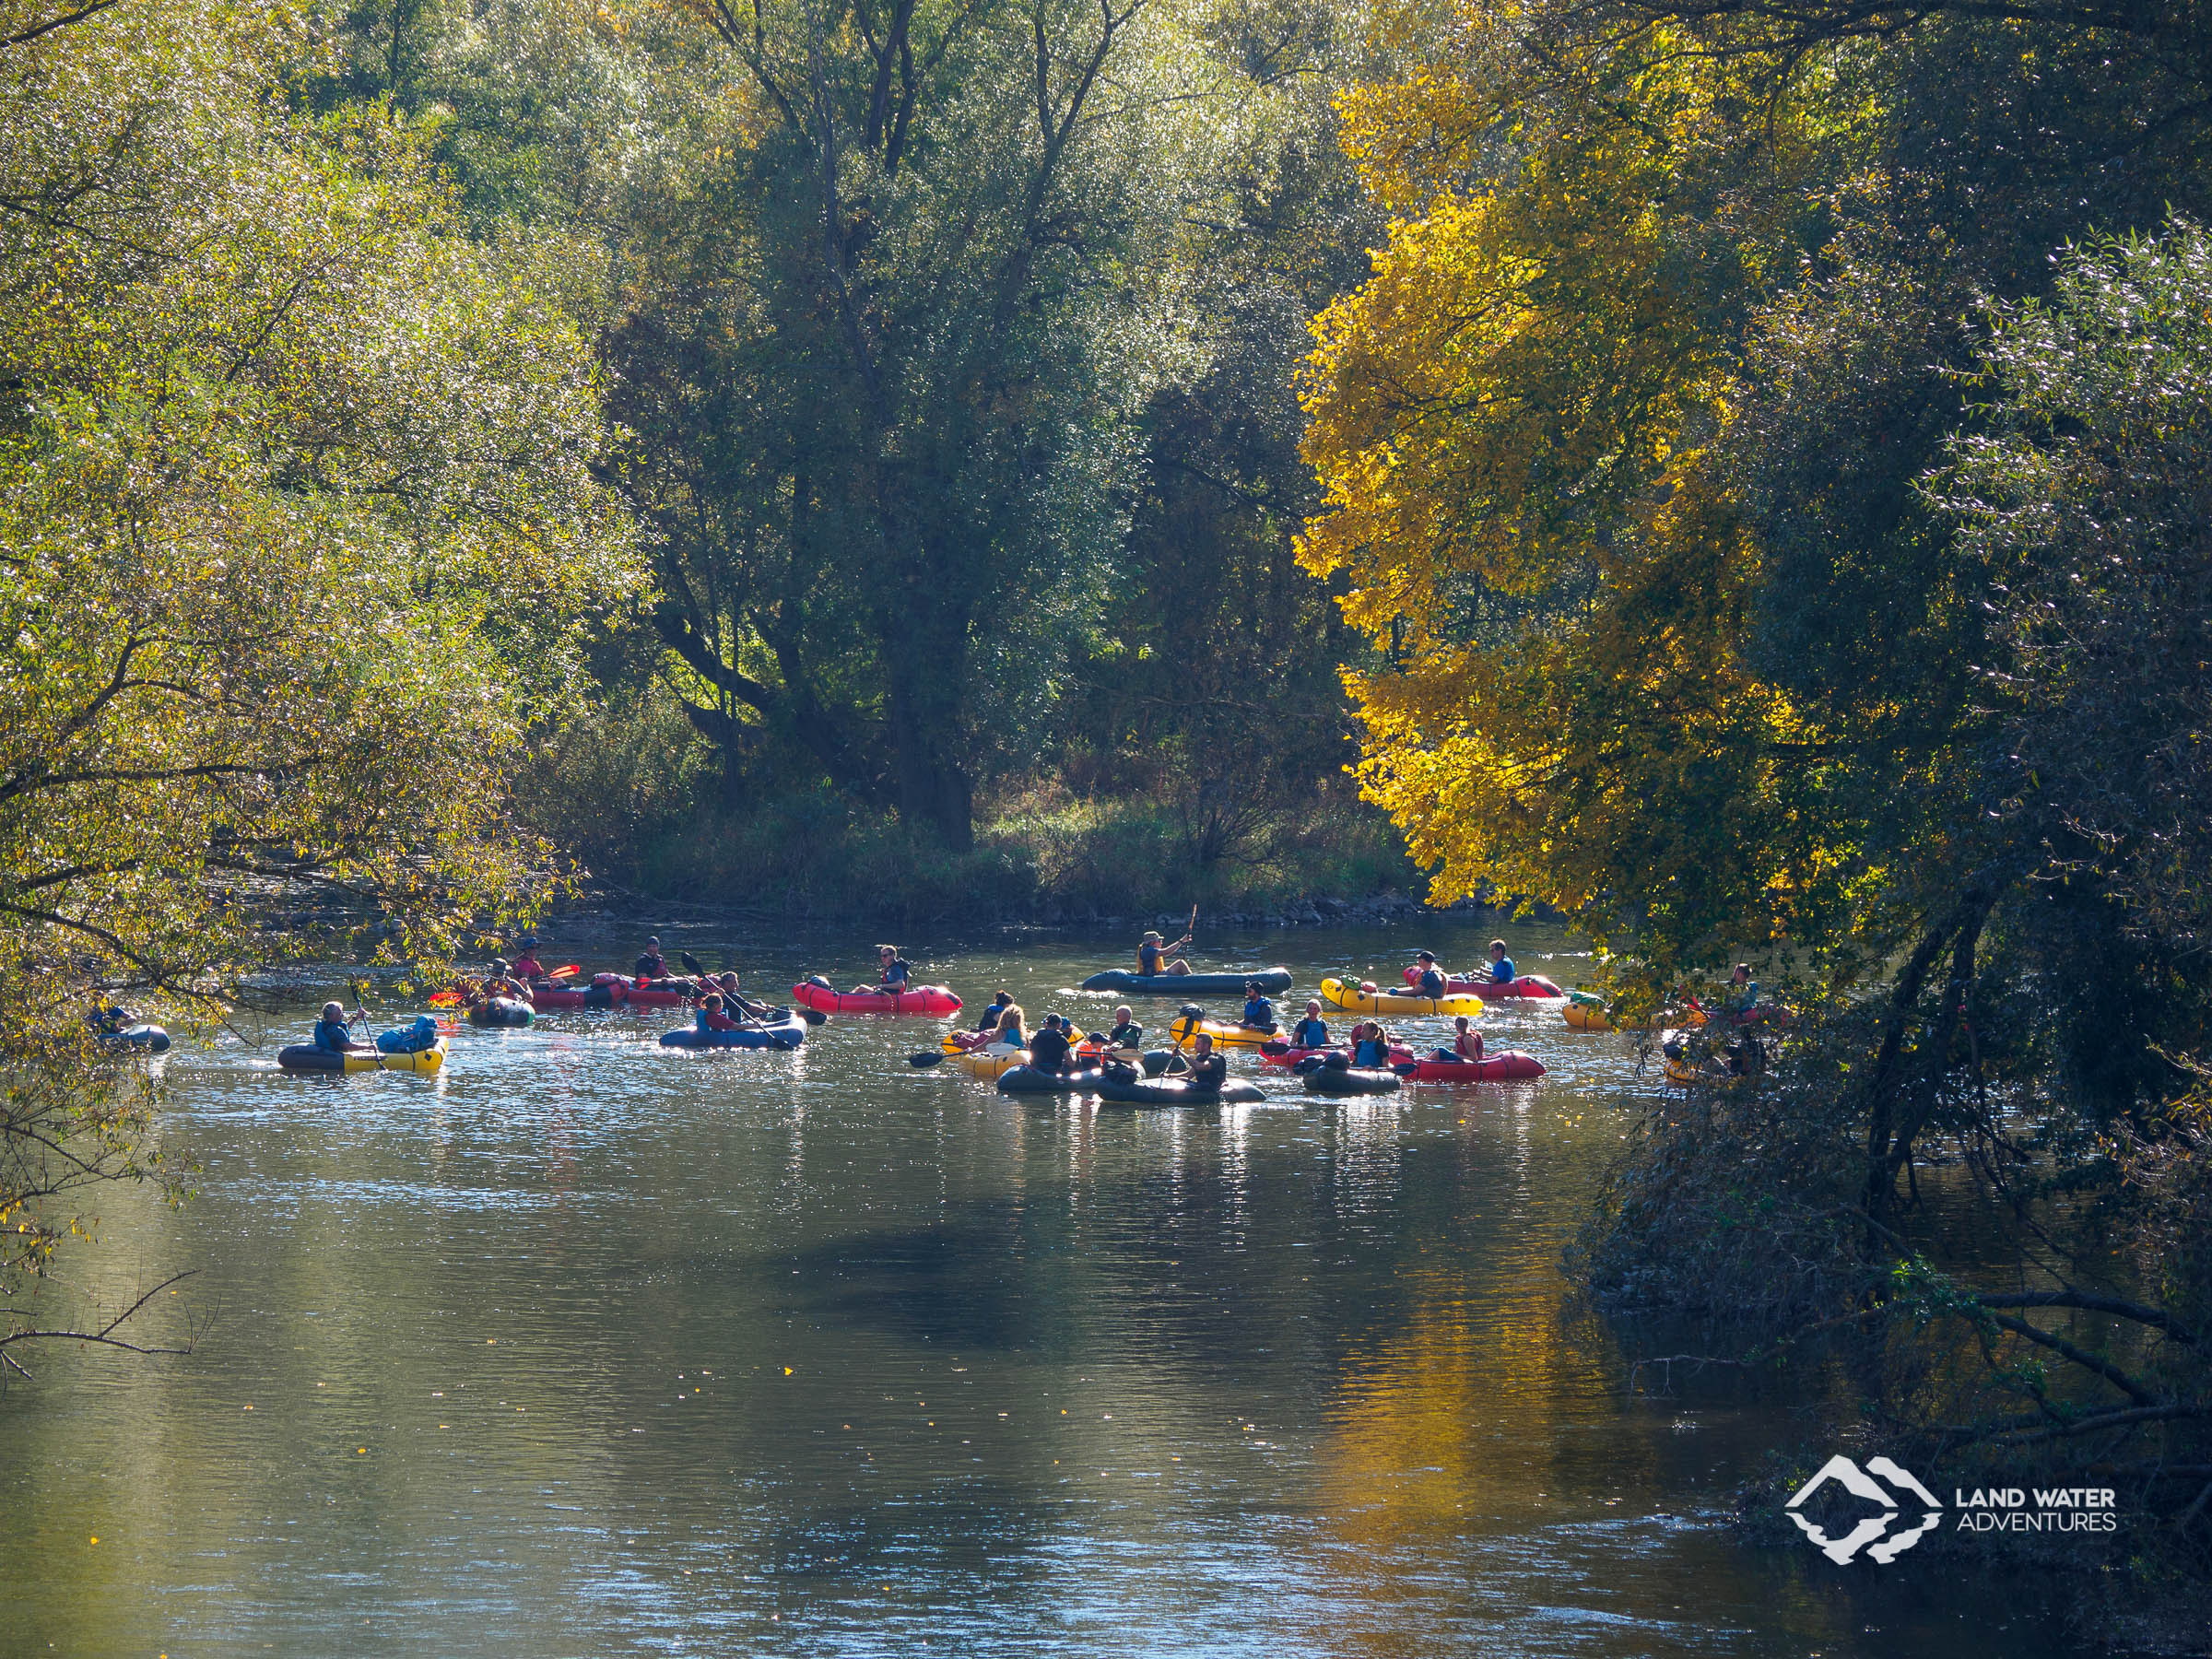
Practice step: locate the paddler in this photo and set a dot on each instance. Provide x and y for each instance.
(1007, 1031)
(527, 968)
(727, 984)
(1312, 1031)
(1209, 1069)
(334, 1031)
(893, 976)
(1259, 1013)
(1502, 965)
(498, 982)
(1049, 1049)
(1127, 1032)
(711, 1017)
(1370, 1045)
(1152, 956)
(1466, 1043)
(652, 964)
(999, 1002)
(1427, 978)
(1742, 1000)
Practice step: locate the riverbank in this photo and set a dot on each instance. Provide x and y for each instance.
(1042, 856)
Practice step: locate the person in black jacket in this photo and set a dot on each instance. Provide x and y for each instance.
(1209, 1069)
(1049, 1048)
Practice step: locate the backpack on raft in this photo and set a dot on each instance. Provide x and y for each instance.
(817, 980)
(409, 1039)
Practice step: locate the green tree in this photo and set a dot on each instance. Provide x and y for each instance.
(300, 523)
(885, 364)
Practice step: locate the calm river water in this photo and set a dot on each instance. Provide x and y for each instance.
(593, 1348)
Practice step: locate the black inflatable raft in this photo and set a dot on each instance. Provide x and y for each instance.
(1273, 980)
(1349, 1081)
(1027, 1079)
(1174, 1091)
(501, 1011)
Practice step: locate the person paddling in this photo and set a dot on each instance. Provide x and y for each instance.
(334, 1031)
(651, 965)
(711, 1017)
(1312, 1031)
(1466, 1043)
(1428, 978)
(727, 984)
(1209, 1069)
(1152, 956)
(1502, 965)
(527, 968)
(999, 1002)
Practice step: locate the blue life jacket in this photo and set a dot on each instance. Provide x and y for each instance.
(1259, 1012)
(332, 1035)
(990, 1018)
(1370, 1050)
(1310, 1033)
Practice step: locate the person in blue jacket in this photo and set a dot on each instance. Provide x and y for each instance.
(1312, 1031)
(1370, 1045)
(1259, 1013)
(1429, 980)
(334, 1031)
(1502, 965)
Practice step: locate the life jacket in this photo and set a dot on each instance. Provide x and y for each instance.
(1431, 982)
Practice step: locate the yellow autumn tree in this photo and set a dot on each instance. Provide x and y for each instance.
(1513, 421)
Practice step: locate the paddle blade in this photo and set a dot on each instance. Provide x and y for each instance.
(691, 963)
(925, 1061)
(814, 1016)
(560, 974)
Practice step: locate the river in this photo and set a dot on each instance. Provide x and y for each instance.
(590, 1347)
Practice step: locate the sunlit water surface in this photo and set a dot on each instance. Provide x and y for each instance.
(589, 1348)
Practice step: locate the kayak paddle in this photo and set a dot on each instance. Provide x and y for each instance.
(923, 1061)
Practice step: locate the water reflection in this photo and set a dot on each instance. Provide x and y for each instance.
(591, 1347)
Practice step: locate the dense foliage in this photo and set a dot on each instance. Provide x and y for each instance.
(1781, 503)
(299, 518)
